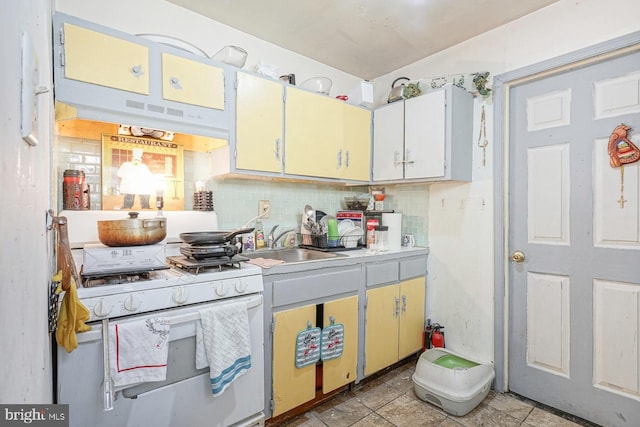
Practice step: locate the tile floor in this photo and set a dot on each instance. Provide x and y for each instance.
(389, 400)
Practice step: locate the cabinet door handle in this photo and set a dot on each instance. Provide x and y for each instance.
(277, 152)
(339, 159)
(175, 83)
(407, 155)
(396, 160)
(346, 160)
(136, 70)
(404, 303)
(397, 310)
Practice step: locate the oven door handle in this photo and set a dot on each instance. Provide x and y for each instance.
(255, 301)
(95, 334)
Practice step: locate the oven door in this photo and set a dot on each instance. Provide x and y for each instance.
(183, 399)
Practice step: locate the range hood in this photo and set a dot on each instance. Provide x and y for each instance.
(123, 108)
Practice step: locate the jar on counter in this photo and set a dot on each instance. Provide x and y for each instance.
(371, 234)
(75, 190)
(382, 238)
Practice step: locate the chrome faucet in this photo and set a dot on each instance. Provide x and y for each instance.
(273, 241)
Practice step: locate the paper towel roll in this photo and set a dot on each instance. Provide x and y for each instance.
(394, 222)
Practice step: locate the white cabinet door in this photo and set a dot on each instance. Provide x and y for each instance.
(388, 140)
(424, 136)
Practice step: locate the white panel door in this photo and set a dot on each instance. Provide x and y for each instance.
(575, 298)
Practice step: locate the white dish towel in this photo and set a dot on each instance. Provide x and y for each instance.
(223, 343)
(138, 351)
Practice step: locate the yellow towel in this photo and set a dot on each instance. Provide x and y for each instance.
(72, 317)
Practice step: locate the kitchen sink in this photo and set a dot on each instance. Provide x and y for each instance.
(291, 255)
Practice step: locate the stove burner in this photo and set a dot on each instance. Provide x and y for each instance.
(195, 265)
(200, 252)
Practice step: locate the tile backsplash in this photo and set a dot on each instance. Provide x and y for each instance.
(236, 200)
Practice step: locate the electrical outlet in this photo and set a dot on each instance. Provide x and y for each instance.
(263, 206)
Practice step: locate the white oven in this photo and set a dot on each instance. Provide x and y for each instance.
(185, 397)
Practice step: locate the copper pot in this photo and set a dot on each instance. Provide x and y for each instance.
(132, 231)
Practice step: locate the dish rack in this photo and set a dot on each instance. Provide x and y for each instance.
(319, 242)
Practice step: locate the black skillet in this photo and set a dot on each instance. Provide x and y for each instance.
(212, 237)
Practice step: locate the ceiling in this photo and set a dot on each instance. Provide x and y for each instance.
(365, 38)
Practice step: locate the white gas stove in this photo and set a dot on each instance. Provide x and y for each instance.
(180, 296)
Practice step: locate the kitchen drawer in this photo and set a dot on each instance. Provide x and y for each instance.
(413, 267)
(382, 272)
(315, 286)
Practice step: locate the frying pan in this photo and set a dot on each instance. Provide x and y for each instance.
(212, 237)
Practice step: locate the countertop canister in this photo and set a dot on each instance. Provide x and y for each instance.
(394, 222)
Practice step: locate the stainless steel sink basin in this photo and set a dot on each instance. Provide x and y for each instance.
(291, 255)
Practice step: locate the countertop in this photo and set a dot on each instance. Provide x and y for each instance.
(351, 257)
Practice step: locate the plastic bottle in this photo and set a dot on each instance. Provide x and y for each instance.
(381, 237)
(259, 241)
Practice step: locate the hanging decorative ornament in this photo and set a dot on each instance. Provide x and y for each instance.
(622, 152)
(482, 138)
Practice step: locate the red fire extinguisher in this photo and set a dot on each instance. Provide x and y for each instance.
(437, 337)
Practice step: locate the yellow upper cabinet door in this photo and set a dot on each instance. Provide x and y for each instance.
(411, 326)
(192, 82)
(342, 370)
(313, 134)
(292, 386)
(381, 328)
(259, 122)
(356, 150)
(93, 57)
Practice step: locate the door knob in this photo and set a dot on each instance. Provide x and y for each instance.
(517, 256)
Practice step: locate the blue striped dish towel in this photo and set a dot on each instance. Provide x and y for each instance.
(223, 342)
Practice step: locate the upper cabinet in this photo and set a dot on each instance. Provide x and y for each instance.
(100, 59)
(426, 138)
(192, 82)
(325, 137)
(107, 75)
(259, 123)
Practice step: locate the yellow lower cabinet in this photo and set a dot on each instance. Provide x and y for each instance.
(292, 386)
(341, 370)
(412, 294)
(381, 329)
(394, 323)
(298, 345)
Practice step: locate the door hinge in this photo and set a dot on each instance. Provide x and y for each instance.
(61, 35)
(273, 325)
(235, 153)
(272, 405)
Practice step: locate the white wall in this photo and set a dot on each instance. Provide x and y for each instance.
(161, 17)
(25, 362)
(460, 282)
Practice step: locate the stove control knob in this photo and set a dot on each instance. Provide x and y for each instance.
(102, 309)
(132, 303)
(179, 295)
(241, 286)
(221, 289)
